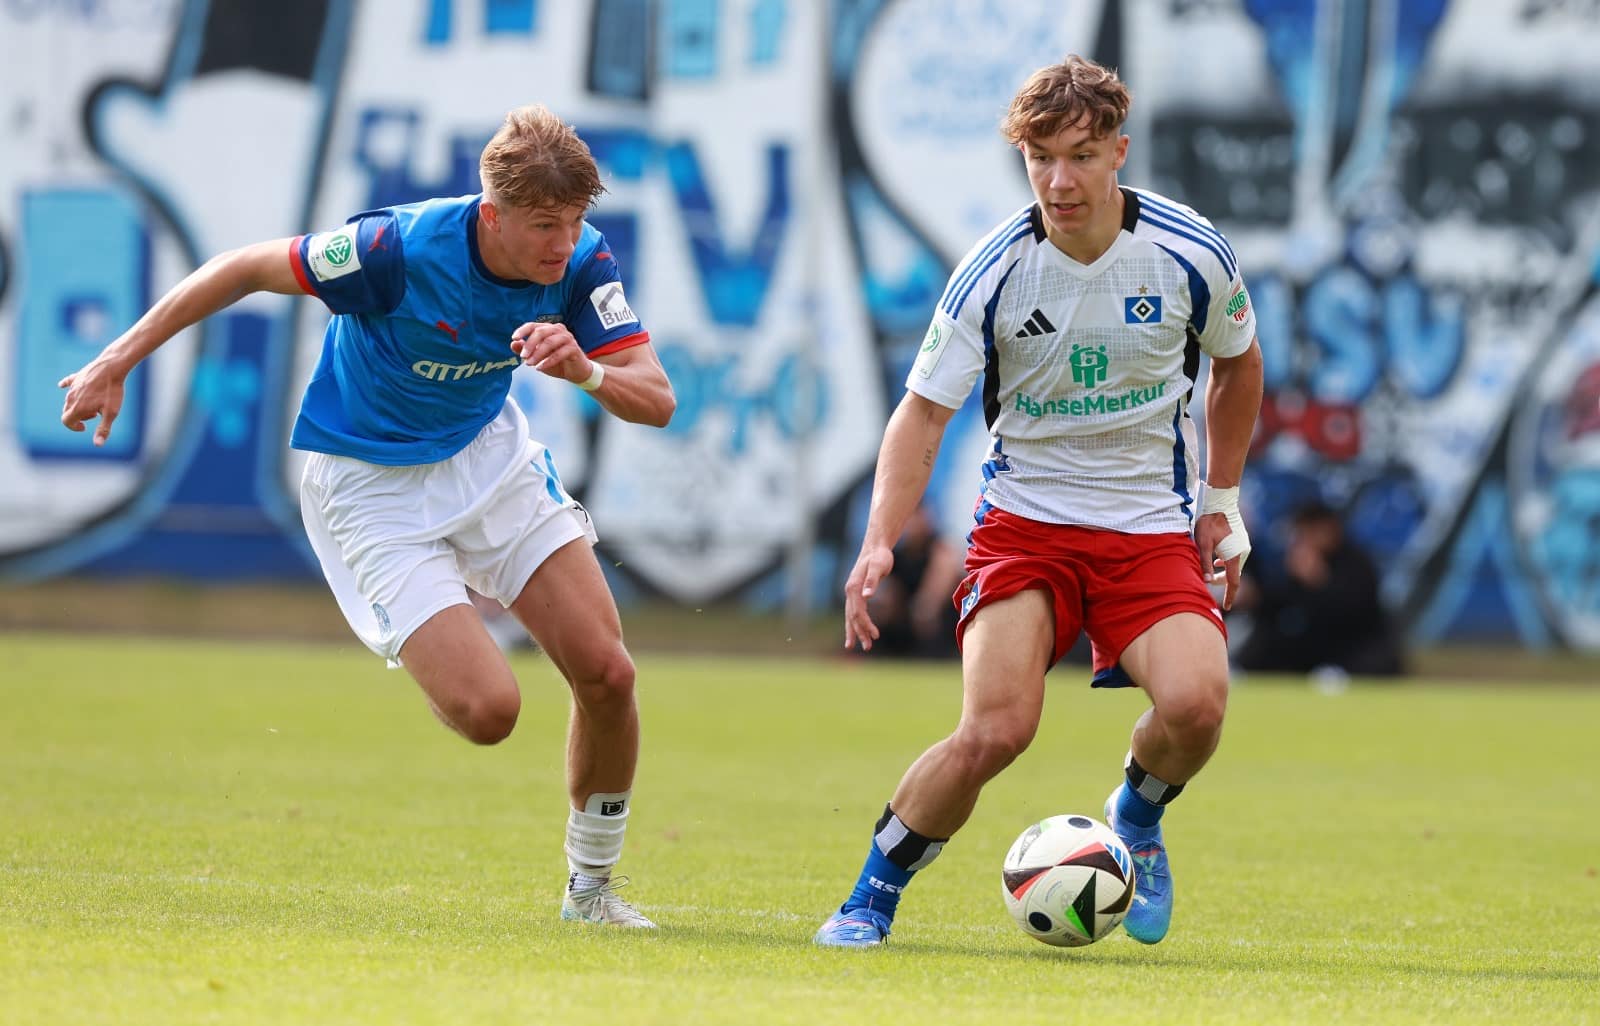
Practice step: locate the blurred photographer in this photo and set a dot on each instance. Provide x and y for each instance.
(913, 607)
(1321, 608)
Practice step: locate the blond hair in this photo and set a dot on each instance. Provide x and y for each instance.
(536, 161)
(1063, 95)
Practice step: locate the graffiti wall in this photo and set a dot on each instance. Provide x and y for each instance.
(1412, 188)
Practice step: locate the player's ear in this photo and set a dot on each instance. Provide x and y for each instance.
(1121, 152)
(489, 213)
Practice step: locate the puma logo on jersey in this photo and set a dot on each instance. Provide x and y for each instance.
(1036, 324)
(454, 333)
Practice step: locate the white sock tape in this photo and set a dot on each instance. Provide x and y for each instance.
(594, 843)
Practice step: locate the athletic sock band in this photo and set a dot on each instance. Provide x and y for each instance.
(904, 846)
(594, 836)
(895, 855)
(1151, 788)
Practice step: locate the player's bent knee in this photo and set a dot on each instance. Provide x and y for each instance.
(985, 749)
(606, 682)
(485, 718)
(1196, 713)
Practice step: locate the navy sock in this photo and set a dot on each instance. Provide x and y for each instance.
(1135, 810)
(880, 884)
(1143, 797)
(896, 854)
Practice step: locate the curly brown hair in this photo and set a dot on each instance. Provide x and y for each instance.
(1066, 94)
(536, 161)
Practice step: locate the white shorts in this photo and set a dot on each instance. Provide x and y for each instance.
(398, 544)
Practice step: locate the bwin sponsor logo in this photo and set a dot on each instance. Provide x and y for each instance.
(432, 370)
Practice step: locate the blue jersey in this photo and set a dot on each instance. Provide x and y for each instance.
(417, 359)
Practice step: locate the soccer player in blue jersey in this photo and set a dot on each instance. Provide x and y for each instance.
(1085, 315)
(421, 480)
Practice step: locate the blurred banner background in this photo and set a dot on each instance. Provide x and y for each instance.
(1412, 187)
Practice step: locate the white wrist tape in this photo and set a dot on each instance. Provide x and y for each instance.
(1226, 502)
(592, 382)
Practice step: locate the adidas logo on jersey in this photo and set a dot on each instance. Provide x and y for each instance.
(1036, 324)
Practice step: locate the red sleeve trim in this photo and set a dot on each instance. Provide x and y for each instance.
(299, 271)
(638, 338)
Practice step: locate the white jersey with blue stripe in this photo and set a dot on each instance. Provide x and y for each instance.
(1087, 368)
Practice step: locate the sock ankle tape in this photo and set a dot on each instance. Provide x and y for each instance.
(594, 842)
(903, 846)
(1152, 789)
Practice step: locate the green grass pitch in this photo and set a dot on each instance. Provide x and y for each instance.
(247, 833)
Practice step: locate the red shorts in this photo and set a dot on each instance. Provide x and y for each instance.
(1115, 586)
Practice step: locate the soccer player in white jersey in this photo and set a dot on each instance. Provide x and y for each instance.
(1084, 317)
(422, 480)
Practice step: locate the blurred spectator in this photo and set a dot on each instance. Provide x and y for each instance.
(913, 606)
(1320, 609)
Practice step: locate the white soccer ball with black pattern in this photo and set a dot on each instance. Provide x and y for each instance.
(1068, 881)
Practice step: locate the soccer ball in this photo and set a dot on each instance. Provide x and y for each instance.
(1068, 881)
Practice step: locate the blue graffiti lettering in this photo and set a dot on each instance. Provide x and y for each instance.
(795, 400)
(619, 50)
(624, 154)
(1425, 334)
(734, 284)
(1568, 550)
(689, 38)
(767, 19)
(1274, 303)
(386, 138)
(500, 17)
(1341, 312)
(71, 307)
(899, 297)
(1361, 334)
(511, 17)
(229, 390)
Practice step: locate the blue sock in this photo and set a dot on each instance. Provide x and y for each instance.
(1135, 810)
(880, 884)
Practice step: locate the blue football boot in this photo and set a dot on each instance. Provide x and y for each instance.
(854, 928)
(1151, 912)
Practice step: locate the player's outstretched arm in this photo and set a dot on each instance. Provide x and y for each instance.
(1233, 400)
(905, 462)
(630, 384)
(95, 390)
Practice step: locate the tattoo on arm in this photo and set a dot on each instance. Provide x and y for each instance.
(927, 457)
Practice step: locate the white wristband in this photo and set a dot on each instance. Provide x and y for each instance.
(1226, 502)
(592, 382)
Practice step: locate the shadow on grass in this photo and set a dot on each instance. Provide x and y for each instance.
(1117, 954)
